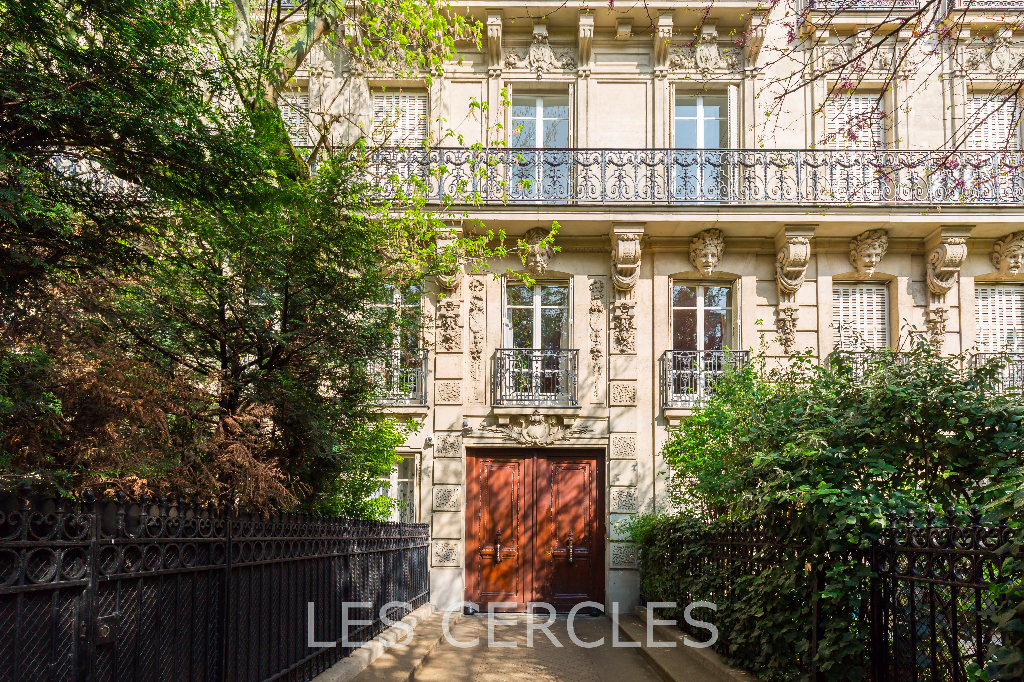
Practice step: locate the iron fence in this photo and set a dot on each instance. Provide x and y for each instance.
(1010, 374)
(692, 176)
(925, 616)
(533, 376)
(688, 377)
(401, 377)
(124, 591)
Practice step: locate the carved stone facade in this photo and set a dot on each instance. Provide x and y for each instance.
(448, 446)
(623, 393)
(540, 57)
(477, 321)
(446, 554)
(623, 555)
(625, 501)
(867, 249)
(539, 251)
(596, 314)
(705, 54)
(624, 326)
(447, 498)
(706, 251)
(449, 325)
(536, 429)
(947, 252)
(623, 447)
(448, 392)
(1008, 254)
(790, 270)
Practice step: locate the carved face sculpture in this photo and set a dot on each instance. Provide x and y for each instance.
(706, 251)
(1008, 254)
(866, 251)
(537, 254)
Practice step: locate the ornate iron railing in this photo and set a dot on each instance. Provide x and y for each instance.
(401, 377)
(530, 376)
(836, 6)
(1010, 375)
(688, 377)
(694, 177)
(860, 363)
(129, 590)
(984, 5)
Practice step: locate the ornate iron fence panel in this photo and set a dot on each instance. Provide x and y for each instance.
(1010, 372)
(688, 377)
(711, 177)
(533, 376)
(132, 590)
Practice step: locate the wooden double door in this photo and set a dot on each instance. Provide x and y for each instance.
(535, 527)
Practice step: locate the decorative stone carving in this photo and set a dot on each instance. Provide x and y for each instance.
(596, 313)
(536, 429)
(706, 251)
(626, 259)
(867, 249)
(624, 326)
(448, 446)
(539, 58)
(790, 270)
(446, 554)
(623, 393)
(449, 325)
(996, 55)
(538, 251)
(449, 281)
(476, 338)
(494, 43)
(1008, 254)
(586, 41)
(623, 555)
(625, 500)
(448, 392)
(662, 45)
(623, 447)
(447, 498)
(947, 253)
(705, 55)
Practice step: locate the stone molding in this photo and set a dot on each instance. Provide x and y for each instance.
(793, 244)
(625, 500)
(626, 254)
(477, 331)
(448, 392)
(596, 315)
(622, 393)
(540, 57)
(446, 553)
(585, 42)
(623, 555)
(947, 251)
(494, 29)
(449, 325)
(447, 498)
(623, 447)
(536, 429)
(538, 252)
(448, 446)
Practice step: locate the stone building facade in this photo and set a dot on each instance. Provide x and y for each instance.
(693, 227)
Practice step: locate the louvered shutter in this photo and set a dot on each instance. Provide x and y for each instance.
(860, 316)
(999, 318)
(295, 113)
(402, 117)
(992, 123)
(852, 122)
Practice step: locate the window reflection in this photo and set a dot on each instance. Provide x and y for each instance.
(701, 317)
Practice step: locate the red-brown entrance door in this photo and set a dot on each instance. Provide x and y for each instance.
(543, 508)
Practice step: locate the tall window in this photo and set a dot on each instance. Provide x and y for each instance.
(402, 487)
(854, 122)
(537, 316)
(540, 122)
(702, 122)
(400, 373)
(400, 118)
(295, 114)
(999, 318)
(860, 316)
(993, 122)
(701, 317)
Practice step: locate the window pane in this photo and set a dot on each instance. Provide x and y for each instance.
(556, 134)
(684, 297)
(556, 107)
(411, 295)
(524, 133)
(524, 106)
(521, 320)
(686, 134)
(407, 468)
(714, 135)
(717, 297)
(407, 502)
(715, 328)
(554, 295)
(716, 107)
(684, 329)
(519, 294)
(686, 107)
(552, 324)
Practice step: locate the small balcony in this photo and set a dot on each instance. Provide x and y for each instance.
(688, 377)
(535, 377)
(401, 378)
(836, 6)
(1010, 375)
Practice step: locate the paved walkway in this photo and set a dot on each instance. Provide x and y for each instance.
(544, 662)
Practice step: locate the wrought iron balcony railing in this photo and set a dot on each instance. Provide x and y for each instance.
(985, 5)
(836, 6)
(1010, 376)
(688, 377)
(696, 177)
(530, 376)
(401, 377)
(861, 362)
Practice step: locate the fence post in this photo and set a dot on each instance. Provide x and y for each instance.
(90, 505)
(876, 629)
(225, 606)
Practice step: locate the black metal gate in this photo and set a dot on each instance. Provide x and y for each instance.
(138, 591)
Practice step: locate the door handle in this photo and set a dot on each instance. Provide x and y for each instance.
(569, 543)
(497, 548)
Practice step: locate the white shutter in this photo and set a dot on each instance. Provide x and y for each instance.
(403, 117)
(853, 122)
(860, 316)
(295, 114)
(999, 318)
(992, 123)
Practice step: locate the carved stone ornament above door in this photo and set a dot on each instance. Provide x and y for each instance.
(535, 429)
(540, 57)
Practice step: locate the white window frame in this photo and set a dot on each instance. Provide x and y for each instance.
(839, 333)
(844, 104)
(700, 118)
(295, 114)
(731, 316)
(394, 107)
(973, 117)
(539, 120)
(537, 307)
(394, 481)
(1006, 303)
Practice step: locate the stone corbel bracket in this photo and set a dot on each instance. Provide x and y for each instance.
(586, 40)
(444, 240)
(626, 238)
(947, 251)
(756, 30)
(494, 18)
(662, 45)
(793, 247)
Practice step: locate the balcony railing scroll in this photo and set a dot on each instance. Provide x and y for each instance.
(401, 377)
(688, 377)
(836, 6)
(531, 376)
(716, 177)
(1010, 375)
